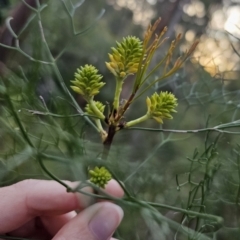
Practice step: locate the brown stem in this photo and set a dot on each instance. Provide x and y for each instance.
(113, 128)
(125, 107)
(108, 141)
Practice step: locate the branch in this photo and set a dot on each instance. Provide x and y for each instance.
(20, 16)
(218, 128)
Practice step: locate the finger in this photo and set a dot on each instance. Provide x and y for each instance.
(51, 225)
(97, 222)
(25, 200)
(33, 229)
(114, 189)
(54, 223)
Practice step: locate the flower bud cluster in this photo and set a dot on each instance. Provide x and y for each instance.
(126, 57)
(87, 81)
(161, 106)
(100, 176)
(89, 110)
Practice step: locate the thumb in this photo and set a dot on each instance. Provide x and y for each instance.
(97, 222)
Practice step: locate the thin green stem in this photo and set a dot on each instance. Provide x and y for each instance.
(140, 73)
(57, 72)
(150, 85)
(214, 129)
(34, 112)
(18, 49)
(238, 191)
(52, 62)
(51, 175)
(95, 109)
(99, 125)
(11, 131)
(118, 90)
(189, 233)
(131, 200)
(137, 121)
(29, 6)
(18, 121)
(153, 70)
(55, 158)
(71, 16)
(120, 183)
(8, 25)
(188, 212)
(146, 160)
(102, 132)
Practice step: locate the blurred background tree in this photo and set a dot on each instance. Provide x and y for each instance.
(194, 171)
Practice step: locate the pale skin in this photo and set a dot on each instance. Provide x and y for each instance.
(41, 209)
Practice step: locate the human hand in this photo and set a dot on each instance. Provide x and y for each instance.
(43, 209)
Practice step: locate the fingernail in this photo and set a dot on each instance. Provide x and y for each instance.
(106, 220)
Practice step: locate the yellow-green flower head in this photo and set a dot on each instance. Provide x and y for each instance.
(87, 81)
(99, 106)
(100, 176)
(161, 106)
(125, 58)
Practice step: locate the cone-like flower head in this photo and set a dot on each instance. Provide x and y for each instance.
(87, 81)
(125, 58)
(161, 106)
(99, 106)
(100, 176)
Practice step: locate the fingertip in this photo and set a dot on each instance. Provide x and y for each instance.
(98, 221)
(114, 189)
(105, 221)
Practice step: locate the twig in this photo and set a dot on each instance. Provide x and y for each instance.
(18, 121)
(214, 129)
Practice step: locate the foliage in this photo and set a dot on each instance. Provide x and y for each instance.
(181, 179)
